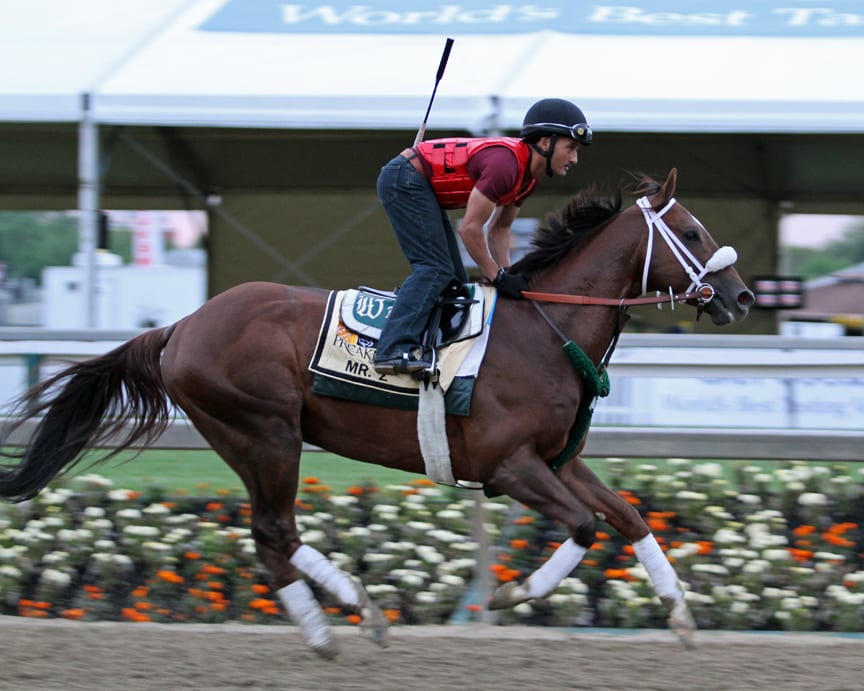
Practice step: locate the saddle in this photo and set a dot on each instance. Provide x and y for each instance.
(365, 310)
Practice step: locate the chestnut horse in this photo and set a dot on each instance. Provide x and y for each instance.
(238, 367)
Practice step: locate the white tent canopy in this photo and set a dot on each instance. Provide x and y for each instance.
(766, 66)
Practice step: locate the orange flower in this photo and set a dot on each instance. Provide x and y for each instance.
(837, 541)
(260, 603)
(474, 608)
(92, 589)
(589, 562)
(392, 615)
(73, 613)
(332, 611)
(705, 547)
(804, 530)
(518, 544)
(212, 570)
(601, 535)
(143, 606)
(260, 589)
(423, 482)
(800, 555)
(141, 591)
(214, 506)
(133, 614)
(310, 481)
(657, 525)
(169, 576)
(628, 550)
(629, 497)
(192, 556)
(524, 520)
(355, 491)
(354, 618)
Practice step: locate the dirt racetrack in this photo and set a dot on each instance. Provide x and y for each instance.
(57, 654)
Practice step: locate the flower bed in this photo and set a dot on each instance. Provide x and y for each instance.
(782, 550)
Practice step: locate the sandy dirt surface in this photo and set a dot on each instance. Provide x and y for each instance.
(58, 654)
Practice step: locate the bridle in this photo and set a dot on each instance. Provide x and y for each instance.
(698, 290)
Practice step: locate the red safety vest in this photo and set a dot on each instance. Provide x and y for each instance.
(449, 160)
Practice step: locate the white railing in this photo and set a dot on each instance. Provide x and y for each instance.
(699, 396)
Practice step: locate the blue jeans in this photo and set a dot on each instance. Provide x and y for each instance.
(428, 242)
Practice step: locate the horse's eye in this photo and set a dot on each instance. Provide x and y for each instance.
(691, 234)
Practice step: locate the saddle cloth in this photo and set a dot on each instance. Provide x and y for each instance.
(342, 362)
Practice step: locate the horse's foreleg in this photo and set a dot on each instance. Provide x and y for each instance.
(536, 486)
(609, 506)
(544, 580)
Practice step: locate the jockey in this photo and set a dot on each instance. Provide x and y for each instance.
(489, 178)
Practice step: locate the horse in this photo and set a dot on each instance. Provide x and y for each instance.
(238, 368)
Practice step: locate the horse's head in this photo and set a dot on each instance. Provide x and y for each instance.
(681, 256)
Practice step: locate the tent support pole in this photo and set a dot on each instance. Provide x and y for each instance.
(88, 206)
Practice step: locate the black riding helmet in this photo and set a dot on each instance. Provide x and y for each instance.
(553, 117)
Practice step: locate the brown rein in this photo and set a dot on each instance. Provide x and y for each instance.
(704, 294)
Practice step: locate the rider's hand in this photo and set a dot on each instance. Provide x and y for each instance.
(510, 285)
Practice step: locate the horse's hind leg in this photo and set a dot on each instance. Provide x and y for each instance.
(268, 463)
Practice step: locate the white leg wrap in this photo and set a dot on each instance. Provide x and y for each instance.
(321, 570)
(549, 576)
(660, 571)
(303, 608)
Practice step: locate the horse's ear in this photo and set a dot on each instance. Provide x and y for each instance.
(668, 188)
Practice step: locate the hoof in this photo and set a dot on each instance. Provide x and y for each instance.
(374, 624)
(682, 625)
(506, 596)
(327, 651)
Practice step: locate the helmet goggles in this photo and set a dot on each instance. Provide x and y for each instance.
(581, 132)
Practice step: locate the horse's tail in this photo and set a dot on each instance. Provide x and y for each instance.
(84, 406)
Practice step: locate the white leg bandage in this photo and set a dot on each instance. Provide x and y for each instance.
(660, 571)
(549, 576)
(321, 570)
(304, 610)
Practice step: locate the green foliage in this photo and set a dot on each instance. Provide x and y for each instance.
(31, 241)
(847, 251)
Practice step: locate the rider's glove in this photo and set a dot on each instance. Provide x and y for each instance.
(510, 285)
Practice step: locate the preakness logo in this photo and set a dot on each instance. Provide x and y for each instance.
(790, 18)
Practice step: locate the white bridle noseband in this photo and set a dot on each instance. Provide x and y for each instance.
(724, 257)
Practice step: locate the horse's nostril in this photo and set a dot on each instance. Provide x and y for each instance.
(746, 298)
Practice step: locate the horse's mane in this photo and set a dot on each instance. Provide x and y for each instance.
(587, 212)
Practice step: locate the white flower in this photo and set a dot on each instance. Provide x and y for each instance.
(156, 510)
(343, 500)
(523, 609)
(55, 577)
(426, 598)
(776, 554)
(756, 566)
(750, 499)
(716, 569)
(94, 512)
(725, 536)
(812, 499)
(129, 514)
(713, 470)
(10, 571)
(141, 530)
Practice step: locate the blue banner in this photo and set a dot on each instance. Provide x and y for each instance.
(789, 18)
